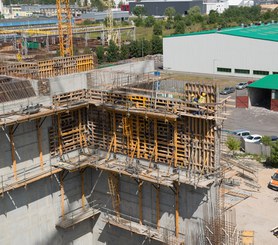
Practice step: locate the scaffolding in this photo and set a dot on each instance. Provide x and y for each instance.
(133, 132)
(49, 68)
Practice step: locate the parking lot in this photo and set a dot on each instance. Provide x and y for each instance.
(256, 119)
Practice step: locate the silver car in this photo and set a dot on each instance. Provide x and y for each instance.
(242, 85)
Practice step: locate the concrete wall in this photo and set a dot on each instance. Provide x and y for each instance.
(256, 148)
(32, 213)
(204, 53)
(193, 202)
(145, 66)
(26, 149)
(67, 83)
(77, 81)
(29, 215)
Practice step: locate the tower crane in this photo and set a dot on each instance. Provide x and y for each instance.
(111, 33)
(65, 27)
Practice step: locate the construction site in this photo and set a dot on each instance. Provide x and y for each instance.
(112, 155)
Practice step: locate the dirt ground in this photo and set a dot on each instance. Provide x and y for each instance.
(259, 212)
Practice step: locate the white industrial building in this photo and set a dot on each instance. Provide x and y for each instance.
(241, 51)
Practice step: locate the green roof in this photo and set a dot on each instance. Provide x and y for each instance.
(268, 82)
(264, 32)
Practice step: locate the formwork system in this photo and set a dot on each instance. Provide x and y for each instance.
(49, 68)
(135, 133)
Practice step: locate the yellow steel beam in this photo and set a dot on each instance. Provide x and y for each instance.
(176, 184)
(62, 190)
(80, 128)
(175, 143)
(138, 136)
(11, 134)
(59, 135)
(39, 136)
(114, 131)
(158, 207)
(155, 139)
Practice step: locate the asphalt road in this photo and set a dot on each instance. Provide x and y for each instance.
(257, 120)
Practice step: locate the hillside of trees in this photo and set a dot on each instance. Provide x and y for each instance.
(196, 21)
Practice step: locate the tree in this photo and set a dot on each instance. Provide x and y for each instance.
(177, 17)
(170, 12)
(146, 47)
(180, 27)
(157, 47)
(124, 52)
(112, 52)
(157, 29)
(194, 14)
(139, 11)
(149, 21)
(273, 159)
(135, 49)
(233, 144)
(213, 17)
(138, 21)
(168, 24)
(100, 54)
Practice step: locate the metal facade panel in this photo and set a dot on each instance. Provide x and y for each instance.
(204, 53)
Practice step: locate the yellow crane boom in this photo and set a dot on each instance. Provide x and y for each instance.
(65, 27)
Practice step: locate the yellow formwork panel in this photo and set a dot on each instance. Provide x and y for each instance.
(247, 237)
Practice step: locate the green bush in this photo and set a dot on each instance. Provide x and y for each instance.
(233, 144)
(273, 159)
(266, 140)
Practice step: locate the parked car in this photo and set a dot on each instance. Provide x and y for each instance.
(273, 184)
(242, 85)
(251, 81)
(241, 132)
(274, 138)
(253, 138)
(227, 90)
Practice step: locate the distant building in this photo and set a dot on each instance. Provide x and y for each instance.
(264, 93)
(157, 8)
(218, 6)
(246, 51)
(1, 7)
(100, 16)
(47, 10)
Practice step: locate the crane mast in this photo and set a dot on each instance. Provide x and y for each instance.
(65, 27)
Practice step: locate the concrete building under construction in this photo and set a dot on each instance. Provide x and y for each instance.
(104, 157)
